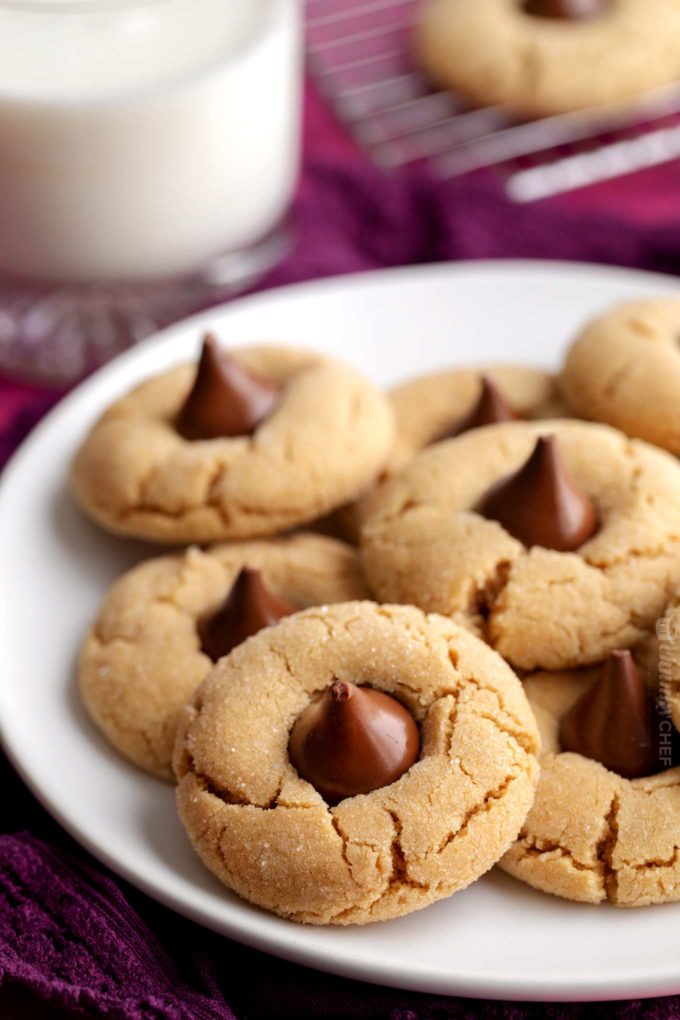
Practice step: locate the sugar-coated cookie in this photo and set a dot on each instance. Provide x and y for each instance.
(592, 835)
(318, 443)
(498, 53)
(269, 835)
(425, 542)
(624, 370)
(147, 652)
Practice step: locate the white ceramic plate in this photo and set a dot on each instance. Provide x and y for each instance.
(497, 939)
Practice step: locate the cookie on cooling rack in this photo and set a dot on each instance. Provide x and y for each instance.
(537, 58)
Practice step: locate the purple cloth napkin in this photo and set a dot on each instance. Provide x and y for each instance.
(29, 414)
(352, 219)
(74, 942)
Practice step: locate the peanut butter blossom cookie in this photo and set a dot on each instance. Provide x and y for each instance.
(543, 57)
(164, 624)
(624, 370)
(355, 763)
(555, 541)
(241, 446)
(605, 824)
(446, 404)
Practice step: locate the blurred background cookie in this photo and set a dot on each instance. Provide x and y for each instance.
(624, 370)
(544, 57)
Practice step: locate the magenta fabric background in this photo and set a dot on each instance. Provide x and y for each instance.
(74, 942)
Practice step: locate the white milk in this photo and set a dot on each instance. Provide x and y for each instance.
(141, 140)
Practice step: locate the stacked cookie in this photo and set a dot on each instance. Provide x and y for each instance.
(341, 760)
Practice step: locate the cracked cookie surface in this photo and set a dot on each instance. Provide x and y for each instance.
(494, 53)
(423, 543)
(323, 444)
(142, 658)
(624, 370)
(270, 837)
(592, 836)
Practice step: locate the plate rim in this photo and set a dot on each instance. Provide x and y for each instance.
(590, 987)
(166, 336)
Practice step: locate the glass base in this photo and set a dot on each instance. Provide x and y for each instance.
(58, 333)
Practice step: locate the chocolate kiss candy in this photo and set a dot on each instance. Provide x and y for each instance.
(566, 10)
(353, 740)
(613, 721)
(491, 408)
(226, 398)
(249, 607)
(541, 504)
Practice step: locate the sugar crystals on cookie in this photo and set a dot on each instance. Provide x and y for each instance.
(355, 763)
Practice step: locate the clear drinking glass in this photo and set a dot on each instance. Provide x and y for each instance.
(148, 156)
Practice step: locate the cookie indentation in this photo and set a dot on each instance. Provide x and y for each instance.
(377, 855)
(320, 445)
(144, 655)
(423, 543)
(591, 835)
(353, 740)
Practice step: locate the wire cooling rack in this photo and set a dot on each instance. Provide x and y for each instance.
(359, 53)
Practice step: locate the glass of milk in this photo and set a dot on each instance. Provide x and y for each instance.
(148, 157)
